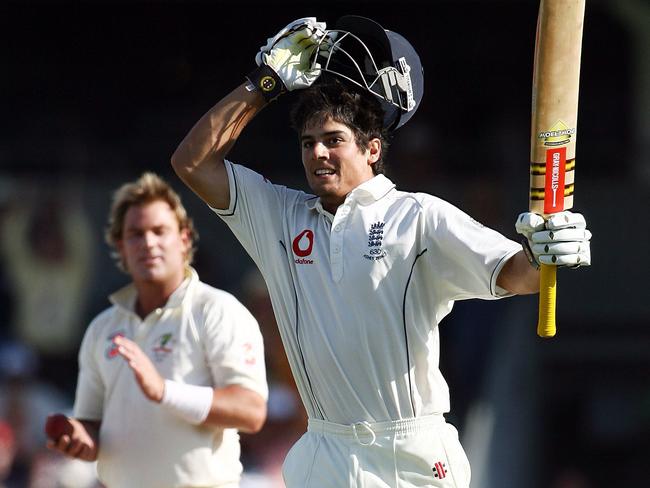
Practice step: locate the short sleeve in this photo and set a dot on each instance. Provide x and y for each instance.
(473, 254)
(234, 346)
(89, 397)
(254, 214)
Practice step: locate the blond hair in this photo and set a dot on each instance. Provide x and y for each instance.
(148, 188)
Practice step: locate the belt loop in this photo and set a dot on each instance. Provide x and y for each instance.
(366, 425)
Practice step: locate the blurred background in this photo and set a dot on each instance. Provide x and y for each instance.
(94, 93)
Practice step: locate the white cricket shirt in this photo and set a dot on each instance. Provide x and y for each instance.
(358, 295)
(202, 336)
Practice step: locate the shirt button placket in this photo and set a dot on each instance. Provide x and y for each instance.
(146, 325)
(336, 242)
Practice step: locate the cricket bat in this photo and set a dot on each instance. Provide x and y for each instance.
(556, 76)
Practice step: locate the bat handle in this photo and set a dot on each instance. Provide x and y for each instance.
(547, 289)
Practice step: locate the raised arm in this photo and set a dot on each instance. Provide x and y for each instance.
(284, 64)
(198, 160)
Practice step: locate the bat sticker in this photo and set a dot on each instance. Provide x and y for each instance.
(557, 135)
(555, 171)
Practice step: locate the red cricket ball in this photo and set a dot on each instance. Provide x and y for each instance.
(56, 425)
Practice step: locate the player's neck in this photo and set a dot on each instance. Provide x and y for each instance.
(153, 295)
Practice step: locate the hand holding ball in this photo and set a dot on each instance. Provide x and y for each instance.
(57, 425)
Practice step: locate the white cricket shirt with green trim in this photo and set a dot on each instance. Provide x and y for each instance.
(202, 336)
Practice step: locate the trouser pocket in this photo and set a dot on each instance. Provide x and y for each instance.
(432, 458)
(317, 461)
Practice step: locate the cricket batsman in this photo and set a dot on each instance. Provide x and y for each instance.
(360, 273)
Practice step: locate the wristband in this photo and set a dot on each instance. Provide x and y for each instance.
(267, 82)
(191, 403)
(529, 253)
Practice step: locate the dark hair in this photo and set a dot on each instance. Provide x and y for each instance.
(329, 98)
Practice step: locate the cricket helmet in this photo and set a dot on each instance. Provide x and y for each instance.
(378, 60)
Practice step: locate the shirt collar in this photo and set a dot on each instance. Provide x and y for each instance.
(126, 296)
(372, 190)
(366, 193)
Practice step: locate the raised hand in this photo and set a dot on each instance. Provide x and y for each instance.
(145, 373)
(562, 240)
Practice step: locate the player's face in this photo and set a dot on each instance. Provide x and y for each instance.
(333, 162)
(153, 247)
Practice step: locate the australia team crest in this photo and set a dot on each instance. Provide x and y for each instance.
(163, 346)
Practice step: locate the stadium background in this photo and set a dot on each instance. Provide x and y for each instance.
(94, 93)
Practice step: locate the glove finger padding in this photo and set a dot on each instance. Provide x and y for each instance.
(295, 44)
(570, 260)
(564, 247)
(298, 24)
(566, 219)
(528, 223)
(560, 248)
(291, 59)
(562, 240)
(562, 235)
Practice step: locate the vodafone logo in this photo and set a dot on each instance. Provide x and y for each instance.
(303, 243)
(302, 246)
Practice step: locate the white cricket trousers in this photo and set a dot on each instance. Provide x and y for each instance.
(409, 453)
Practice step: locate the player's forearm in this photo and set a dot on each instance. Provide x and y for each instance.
(216, 132)
(237, 407)
(518, 276)
(198, 160)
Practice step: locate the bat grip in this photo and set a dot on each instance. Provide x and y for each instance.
(547, 289)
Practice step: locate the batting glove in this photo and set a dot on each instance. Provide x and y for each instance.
(285, 62)
(562, 240)
(305, 22)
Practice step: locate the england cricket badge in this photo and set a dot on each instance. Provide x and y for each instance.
(375, 239)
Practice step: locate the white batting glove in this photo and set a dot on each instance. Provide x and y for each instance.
(562, 240)
(308, 22)
(291, 58)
